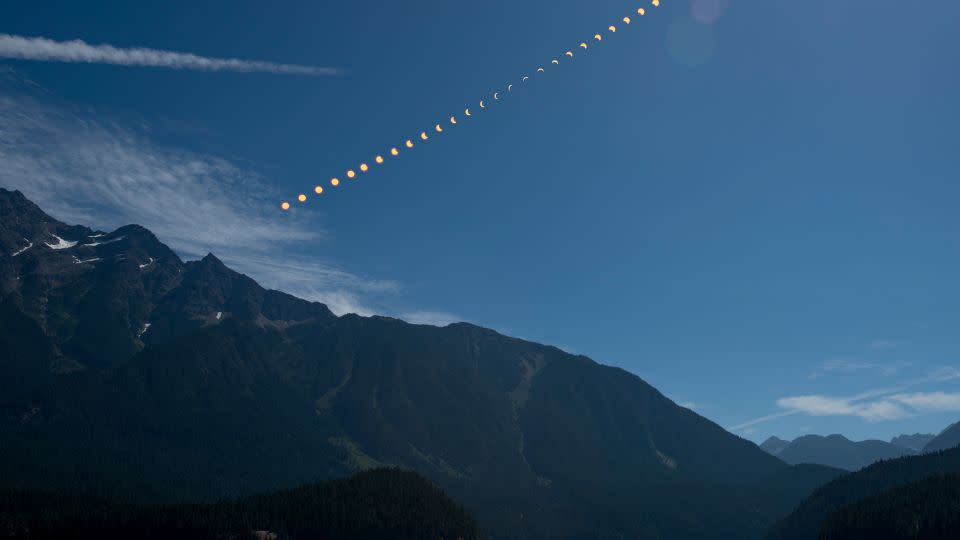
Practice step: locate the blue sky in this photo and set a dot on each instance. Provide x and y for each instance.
(751, 205)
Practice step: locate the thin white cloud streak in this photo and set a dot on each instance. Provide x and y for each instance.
(79, 51)
(873, 411)
(873, 405)
(930, 401)
(762, 420)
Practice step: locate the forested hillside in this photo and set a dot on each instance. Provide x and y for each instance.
(378, 504)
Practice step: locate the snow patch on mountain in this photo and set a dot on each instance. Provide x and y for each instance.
(95, 244)
(29, 245)
(143, 330)
(61, 243)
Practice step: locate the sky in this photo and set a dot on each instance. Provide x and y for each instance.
(751, 205)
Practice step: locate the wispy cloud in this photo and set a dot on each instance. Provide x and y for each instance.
(78, 51)
(853, 365)
(884, 344)
(83, 170)
(930, 401)
(872, 411)
(762, 420)
(316, 280)
(873, 405)
(432, 318)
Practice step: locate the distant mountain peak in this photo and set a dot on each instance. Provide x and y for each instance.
(915, 442)
(774, 445)
(948, 438)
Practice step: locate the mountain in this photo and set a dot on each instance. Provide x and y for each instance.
(774, 445)
(838, 451)
(948, 438)
(915, 442)
(806, 520)
(136, 376)
(378, 504)
(925, 510)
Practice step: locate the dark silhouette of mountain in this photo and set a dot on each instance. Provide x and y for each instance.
(925, 510)
(137, 376)
(385, 503)
(948, 438)
(774, 445)
(915, 442)
(805, 522)
(837, 451)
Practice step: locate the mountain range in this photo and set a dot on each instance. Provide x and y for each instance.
(136, 376)
(839, 452)
(834, 451)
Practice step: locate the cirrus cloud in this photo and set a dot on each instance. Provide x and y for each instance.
(79, 51)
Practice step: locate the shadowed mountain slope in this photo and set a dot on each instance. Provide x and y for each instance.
(152, 379)
(805, 522)
(947, 439)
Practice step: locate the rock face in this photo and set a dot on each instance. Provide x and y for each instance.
(136, 374)
(947, 439)
(915, 442)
